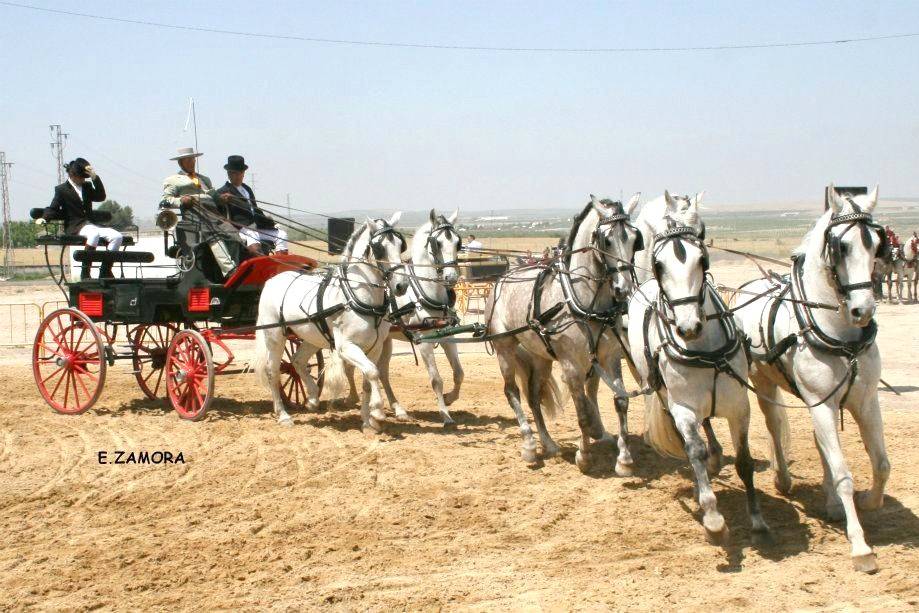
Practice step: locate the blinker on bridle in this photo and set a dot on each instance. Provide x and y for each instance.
(375, 246)
(624, 219)
(832, 244)
(436, 251)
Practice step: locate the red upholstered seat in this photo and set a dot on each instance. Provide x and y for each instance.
(257, 270)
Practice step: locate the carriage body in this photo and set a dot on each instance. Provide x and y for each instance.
(176, 327)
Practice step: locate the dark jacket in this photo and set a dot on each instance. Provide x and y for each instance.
(67, 205)
(241, 211)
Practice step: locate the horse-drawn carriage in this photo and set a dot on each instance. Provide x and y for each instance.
(173, 330)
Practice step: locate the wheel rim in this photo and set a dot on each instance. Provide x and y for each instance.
(189, 375)
(290, 384)
(68, 361)
(151, 344)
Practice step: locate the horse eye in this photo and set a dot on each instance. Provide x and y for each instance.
(843, 249)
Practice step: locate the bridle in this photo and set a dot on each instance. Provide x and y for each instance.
(679, 235)
(375, 247)
(599, 241)
(834, 249)
(433, 246)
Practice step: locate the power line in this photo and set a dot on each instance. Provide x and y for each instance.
(370, 43)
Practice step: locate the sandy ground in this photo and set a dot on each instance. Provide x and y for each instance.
(321, 515)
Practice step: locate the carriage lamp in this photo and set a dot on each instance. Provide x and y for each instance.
(199, 300)
(91, 303)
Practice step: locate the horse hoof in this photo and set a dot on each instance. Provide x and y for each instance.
(528, 453)
(449, 424)
(867, 563)
(782, 484)
(403, 416)
(716, 531)
(759, 525)
(287, 422)
(312, 404)
(582, 460)
(713, 466)
(378, 414)
(550, 451)
(866, 502)
(625, 470)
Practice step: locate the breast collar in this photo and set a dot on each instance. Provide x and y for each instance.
(813, 334)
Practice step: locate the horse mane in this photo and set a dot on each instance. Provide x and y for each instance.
(579, 219)
(816, 232)
(348, 249)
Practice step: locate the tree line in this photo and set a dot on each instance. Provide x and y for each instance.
(23, 234)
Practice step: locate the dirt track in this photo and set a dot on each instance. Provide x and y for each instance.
(322, 515)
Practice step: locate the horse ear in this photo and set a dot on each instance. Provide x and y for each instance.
(672, 204)
(633, 202)
(395, 218)
(452, 217)
(432, 217)
(697, 201)
(872, 199)
(598, 207)
(834, 200)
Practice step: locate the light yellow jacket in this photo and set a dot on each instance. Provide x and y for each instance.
(181, 184)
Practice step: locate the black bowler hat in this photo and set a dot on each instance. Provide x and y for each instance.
(236, 162)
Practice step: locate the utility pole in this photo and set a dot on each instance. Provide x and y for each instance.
(288, 207)
(57, 148)
(252, 180)
(7, 229)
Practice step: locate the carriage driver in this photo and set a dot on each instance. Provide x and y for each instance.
(238, 204)
(73, 201)
(194, 194)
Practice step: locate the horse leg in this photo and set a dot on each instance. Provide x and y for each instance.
(839, 478)
(715, 459)
(743, 462)
(590, 427)
(452, 353)
(507, 363)
(625, 466)
(437, 383)
(274, 345)
(591, 388)
(300, 360)
(871, 427)
(353, 396)
(385, 357)
(684, 418)
(540, 370)
(777, 424)
(352, 354)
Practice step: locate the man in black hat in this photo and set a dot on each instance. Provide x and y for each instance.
(73, 202)
(238, 204)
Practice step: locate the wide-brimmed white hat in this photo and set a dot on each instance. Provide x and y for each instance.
(186, 152)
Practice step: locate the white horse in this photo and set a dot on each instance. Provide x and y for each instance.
(686, 347)
(343, 310)
(893, 265)
(431, 274)
(568, 314)
(911, 266)
(826, 357)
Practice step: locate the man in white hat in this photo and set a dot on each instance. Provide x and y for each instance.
(194, 194)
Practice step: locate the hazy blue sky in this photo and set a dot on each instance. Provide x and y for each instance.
(345, 127)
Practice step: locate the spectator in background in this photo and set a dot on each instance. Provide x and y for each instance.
(474, 244)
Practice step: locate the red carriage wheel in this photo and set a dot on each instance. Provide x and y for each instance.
(189, 374)
(150, 344)
(293, 389)
(68, 361)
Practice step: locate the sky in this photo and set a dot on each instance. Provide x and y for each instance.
(355, 127)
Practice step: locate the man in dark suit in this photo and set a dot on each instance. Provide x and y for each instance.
(73, 202)
(238, 204)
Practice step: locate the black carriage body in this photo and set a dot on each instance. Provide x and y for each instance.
(179, 299)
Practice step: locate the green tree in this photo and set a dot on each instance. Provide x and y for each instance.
(23, 233)
(122, 217)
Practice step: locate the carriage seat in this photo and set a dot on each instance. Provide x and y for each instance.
(126, 257)
(70, 240)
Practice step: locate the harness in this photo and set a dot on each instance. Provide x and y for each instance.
(718, 360)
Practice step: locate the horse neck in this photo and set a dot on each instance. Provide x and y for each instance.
(643, 257)
(366, 278)
(818, 285)
(586, 269)
(426, 271)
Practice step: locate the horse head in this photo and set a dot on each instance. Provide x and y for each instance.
(439, 242)
(380, 241)
(680, 262)
(851, 244)
(615, 241)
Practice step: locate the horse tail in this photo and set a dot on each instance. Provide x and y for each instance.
(776, 413)
(660, 431)
(336, 378)
(551, 399)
